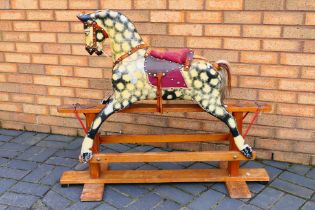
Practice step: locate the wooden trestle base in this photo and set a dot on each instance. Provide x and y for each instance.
(98, 174)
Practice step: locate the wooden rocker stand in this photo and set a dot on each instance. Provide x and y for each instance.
(98, 173)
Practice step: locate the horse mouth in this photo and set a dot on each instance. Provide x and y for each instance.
(92, 50)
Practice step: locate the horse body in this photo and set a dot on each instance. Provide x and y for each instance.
(203, 83)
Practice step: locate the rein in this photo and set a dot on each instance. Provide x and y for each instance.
(133, 50)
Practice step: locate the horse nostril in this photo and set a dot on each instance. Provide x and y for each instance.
(99, 53)
(90, 50)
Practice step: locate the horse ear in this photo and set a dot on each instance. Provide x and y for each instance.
(83, 17)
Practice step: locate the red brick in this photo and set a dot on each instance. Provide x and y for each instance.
(258, 82)
(76, 27)
(26, 26)
(214, 55)
(88, 72)
(283, 18)
(261, 31)
(243, 93)
(305, 147)
(306, 123)
(9, 106)
(45, 59)
(242, 17)
(264, 5)
(46, 80)
(275, 144)
(300, 5)
(222, 30)
(57, 48)
(306, 98)
(292, 157)
(14, 36)
(204, 42)
(204, 17)
(245, 69)
(7, 46)
(281, 45)
(35, 109)
(276, 120)
(3, 78)
(297, 85)
(74, 82)
(71, 38)
(12, 14)
(151, 28)
(17, 57)
(24, 4)
(277, 96)
(83, 4)
(78, 50)
(42, 37)
(40, 15)
(55, 26)
(22, 88)
(186, 4)
(38, 128)
(66, 15)
(59, 70)
(6, 25)
(18, 117)
(224, 5)
(4, 4)
(53, 4)
(122, 4)
(147, 4)
(308, 72)
(48, 100)
(89, 93)
(259, 57)
(280, 71)
(29, 47)
(31, 68)
(310, 19)
(24, 98)
(64, 131)
(167, 16)
(298, 32)
(241, 44)
(296, 110)
(61, 91)
(185, 29)
(167, 41)
(298, 59)
(135, 16)
(309, 46)
(100, 62)
(74, 60)
(4, 96)
(20, 78)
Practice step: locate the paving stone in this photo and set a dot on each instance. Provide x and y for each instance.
(6, 184)
(39, 205)
(192, 188)
(15, 208)
(74, 154)
(292, 188)
(2, 207)
(174, 194)
(14, 147)
(37, 174)
(30, 188)
(298, 179)
(105, 206)
(288, 202)
(311, 173)
(83, 206)
(273, 172)
(29, 138)
(75, 144)
(55, 201)
(167, 205)
(255, 187)
(310, 205)
(21, 164)
(3, 161)
(299, 169)
(8, 154)
(73, 192)
(267, 198)
(57, 137)
(313, 197)
(132, 190)
(38, 154)
(146, 202)
(59, 161)
(167, 165)
(277, 164)
(229, 203)
(5, 138)
(116, 199)
(10, 132)
(53, 144)
(206, 200)
(118, 147)
(12, 173)
(253, 164)
(147, 166)
(54, 176)
(249, 207)
(20, 200)
(125, 166)
(199, 165)
(220, 187)
(142, 148)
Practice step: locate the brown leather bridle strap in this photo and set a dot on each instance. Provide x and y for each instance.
(133, 50)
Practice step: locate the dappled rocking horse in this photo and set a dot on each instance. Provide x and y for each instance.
(140, 74)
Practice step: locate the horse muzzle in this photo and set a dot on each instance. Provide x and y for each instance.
(92, 50)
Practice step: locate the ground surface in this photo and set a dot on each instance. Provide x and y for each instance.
(31, 164)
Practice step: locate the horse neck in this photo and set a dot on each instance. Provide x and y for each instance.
(122, 38)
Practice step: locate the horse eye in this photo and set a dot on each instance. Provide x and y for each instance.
(86, 32)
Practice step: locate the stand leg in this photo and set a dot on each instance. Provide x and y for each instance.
(238, 189)
(233, 166)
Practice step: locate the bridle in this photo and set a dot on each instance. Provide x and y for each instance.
(96, 29)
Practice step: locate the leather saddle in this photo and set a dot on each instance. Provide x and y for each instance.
(169, 64)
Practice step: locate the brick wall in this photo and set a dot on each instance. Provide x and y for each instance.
(270, 44)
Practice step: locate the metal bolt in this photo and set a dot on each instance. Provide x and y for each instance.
(98, 159)
(235, 156)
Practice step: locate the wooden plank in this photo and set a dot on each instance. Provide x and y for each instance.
(92, 192)
(150, 108)
(164, 176)
(109, 139)
(168, 157)
(238, 189)
(233, 166)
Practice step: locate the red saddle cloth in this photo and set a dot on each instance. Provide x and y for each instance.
(179, 56)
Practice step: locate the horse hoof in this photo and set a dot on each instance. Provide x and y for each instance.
(247, 151)
(85, 157)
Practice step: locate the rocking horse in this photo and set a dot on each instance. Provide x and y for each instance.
(140, 74)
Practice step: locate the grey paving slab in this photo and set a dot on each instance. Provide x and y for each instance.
(311, 173)
(288, 202)
(29, 138)
(10, 132)
(21, 164)
(124, 166)
(14, 147)
(167, 165)
(277, 164)
(83, 206)
(4, 138)
(249, 207)
(38, 154)
(30, 188)
(56, 137)
(74, 154)
(54, 176)
(229, 203)
(8, 154)
(75, 144)
(267, 198)
(2, 207)
(310, 205)
(105, 206)
(206, 200)
(116, 199)
(192, 188)
(12, 173)
(55, 201)
(37, 174)
(131, 190)
(73, 192)
(19, 200)
(255, 187)
(53, 144)
(6, 184)
(3, 161)
(60, 161)
(117, 147)
(299, 169)
(220, 187)
(169, 192)
(298, 179)
(146, 202)
(167, 205)
(273, 172)
(292, 188)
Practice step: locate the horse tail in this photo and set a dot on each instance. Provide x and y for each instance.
(224, 70)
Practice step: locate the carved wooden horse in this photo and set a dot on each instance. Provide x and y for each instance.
(136, 70)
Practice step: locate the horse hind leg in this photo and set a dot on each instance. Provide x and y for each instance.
(219, 111)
